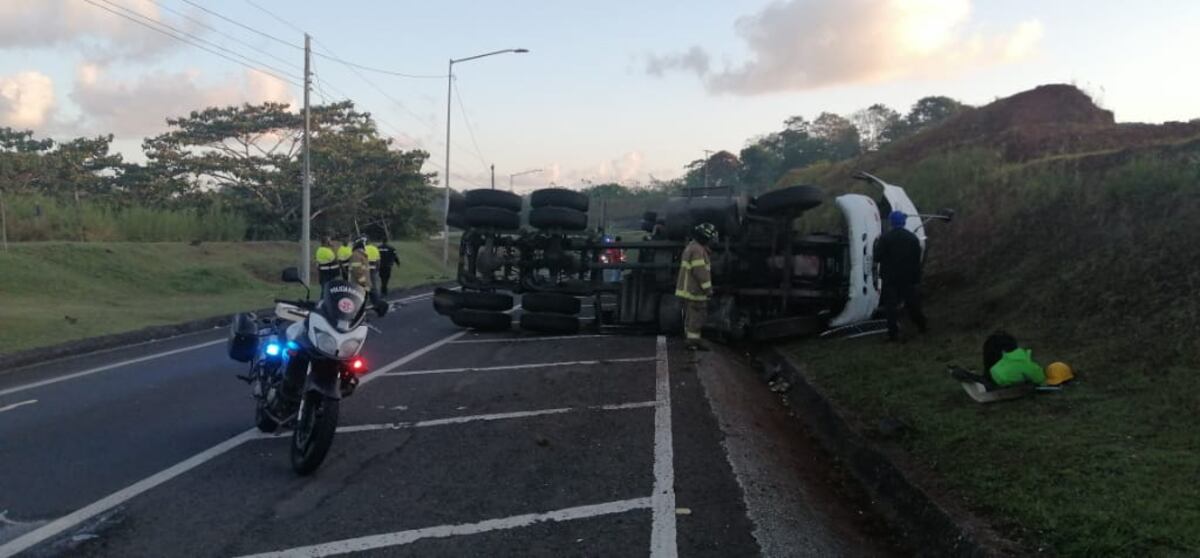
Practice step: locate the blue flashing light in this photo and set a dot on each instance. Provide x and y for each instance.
(272, 349)
(292, 345)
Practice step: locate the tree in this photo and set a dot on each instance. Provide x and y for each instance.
(837, 137)
(761, 166)
(872, 122)
(925, 113)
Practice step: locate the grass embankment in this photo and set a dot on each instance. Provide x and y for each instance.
(56, 291)
(1088, 260)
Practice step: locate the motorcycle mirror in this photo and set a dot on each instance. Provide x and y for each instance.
(291, 275)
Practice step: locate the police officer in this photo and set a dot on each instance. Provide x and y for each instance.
(387, 259)
(360, 274)
(343, 255)
(328, 268)
(694, 284)
(373, 262)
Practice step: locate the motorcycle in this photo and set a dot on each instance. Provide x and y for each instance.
(303, 362)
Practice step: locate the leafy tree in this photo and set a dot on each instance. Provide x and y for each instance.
(925, 113)
(762, 165)
(837, 137)
(872, 122)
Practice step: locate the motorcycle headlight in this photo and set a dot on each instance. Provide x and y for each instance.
(349, 347)
(326, 343)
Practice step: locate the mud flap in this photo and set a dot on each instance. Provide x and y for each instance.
(324, 378)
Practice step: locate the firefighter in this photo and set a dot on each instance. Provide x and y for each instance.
(373, 263)
(694, 285)
(328, 268)
(360, 275)
(387, 260)
(343, 255)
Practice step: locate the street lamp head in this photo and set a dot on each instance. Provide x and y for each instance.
(520, 50)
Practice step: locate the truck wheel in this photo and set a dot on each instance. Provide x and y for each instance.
(558, 218)
(493, 218)
(458, 202)
(549, 323)
(493, 198)
(481, 319)
(457, 220)
(550, 302)
(558, 197)
(792, 198)
(475, 300)
(670, 315)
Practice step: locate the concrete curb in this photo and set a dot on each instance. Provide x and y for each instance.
(78, 347)
(933, 525)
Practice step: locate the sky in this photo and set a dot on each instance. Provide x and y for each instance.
(620, 90)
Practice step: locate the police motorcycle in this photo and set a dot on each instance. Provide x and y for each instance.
(303, 361)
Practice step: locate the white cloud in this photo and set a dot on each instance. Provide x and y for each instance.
(141, 106)
(102, 35)
(26, 99)
(806, 44)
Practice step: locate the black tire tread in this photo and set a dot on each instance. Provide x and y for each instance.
(493, 218)
(559, 197)
(477, 300)
(485, 197)
(563, 218)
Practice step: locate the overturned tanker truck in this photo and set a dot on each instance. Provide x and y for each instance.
(770, 280)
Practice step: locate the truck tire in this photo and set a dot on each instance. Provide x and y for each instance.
(481, 319)
(670, 315)
(476, 300)
(563, 218)
(457, 220)
(458, 202)
(484, 197)
(554, 303)
(493, 218)
(549, 323)
(792, 198)
(558, 197)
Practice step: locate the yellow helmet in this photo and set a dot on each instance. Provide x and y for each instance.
(1057, 373)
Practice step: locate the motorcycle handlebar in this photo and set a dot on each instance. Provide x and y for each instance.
(306, 304)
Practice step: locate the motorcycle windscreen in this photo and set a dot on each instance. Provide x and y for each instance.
(343, 304)
(862, 229)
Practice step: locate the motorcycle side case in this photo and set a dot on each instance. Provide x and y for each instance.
(243, 337)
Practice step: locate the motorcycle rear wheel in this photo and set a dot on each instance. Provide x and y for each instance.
(314, 432)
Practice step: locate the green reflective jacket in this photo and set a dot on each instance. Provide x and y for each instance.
(1017, 366)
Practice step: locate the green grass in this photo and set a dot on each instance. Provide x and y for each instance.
(114, 287)
(1089, 261)
(37, 218)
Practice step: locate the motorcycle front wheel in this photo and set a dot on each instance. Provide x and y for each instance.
(315, 427)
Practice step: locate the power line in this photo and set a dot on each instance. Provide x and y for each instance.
(184, 39)
(205, 24)
(272, 14)
(246, 27)
(379, 70)
(470, 130)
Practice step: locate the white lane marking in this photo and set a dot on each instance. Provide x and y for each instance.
(520, 366)
(15, 405)
(662, 531)
(91, 371)
(479, 418)
(62, 524)
(526, 339)
(371, 542)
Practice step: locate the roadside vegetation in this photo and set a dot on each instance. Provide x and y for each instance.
(54, 292)
(1086, 257)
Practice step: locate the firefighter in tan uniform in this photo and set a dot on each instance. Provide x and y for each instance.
(694, 285)
(359, 267)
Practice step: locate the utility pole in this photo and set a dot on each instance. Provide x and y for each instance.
(706, 156)
(306, 206)
(446, 170)
(493, 177)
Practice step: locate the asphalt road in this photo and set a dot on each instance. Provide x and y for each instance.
(459, 444)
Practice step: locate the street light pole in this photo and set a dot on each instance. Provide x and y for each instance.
(522, 173)
(306, 199)
(446, 180)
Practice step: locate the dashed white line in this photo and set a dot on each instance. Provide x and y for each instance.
(482, 418)
(7, 408)
(371, 542)
(528, 339)
(662, 530)
(519, 366)
(62, 524)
